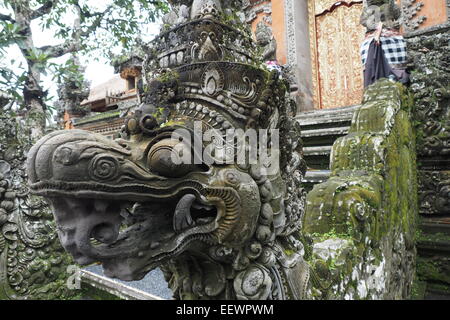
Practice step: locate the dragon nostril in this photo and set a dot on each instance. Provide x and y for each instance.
(105, 232)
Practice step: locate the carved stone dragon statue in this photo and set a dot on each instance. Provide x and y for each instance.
(217, 230)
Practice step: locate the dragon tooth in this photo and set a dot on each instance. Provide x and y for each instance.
(182, 218)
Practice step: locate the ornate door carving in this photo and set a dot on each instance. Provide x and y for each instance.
(335, 39)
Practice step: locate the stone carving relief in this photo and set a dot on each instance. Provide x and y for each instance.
(253, 9)
(266, 41)
(410, 11)
(201, 41)
(434, 192)
(393, 14)
(32, 262)
(430, 62)
(290, 30)
(205, 9)
(218, 231)
(71, 92)
(385, 11)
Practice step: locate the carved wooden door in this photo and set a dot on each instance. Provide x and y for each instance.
(336, 35)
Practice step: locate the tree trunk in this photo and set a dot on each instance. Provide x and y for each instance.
(34, 102)
(35, 118)
(33, 93)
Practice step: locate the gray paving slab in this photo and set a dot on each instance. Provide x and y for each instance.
(153, 282)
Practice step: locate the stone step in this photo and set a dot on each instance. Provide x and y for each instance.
(320, 129)
(337, 131)
(317, 151)
(327, 117)
(436, 292)
(435, 236)
(323, 137)
(342, 112)
(313, 177)
(433, 247)
(440, 224)
(316, 176)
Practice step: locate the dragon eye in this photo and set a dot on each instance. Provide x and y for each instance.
(170, 158)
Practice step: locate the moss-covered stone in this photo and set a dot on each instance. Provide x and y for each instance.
(89, 292)
(370, 200)
(418, 289)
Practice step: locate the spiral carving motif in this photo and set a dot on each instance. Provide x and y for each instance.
(104, 167)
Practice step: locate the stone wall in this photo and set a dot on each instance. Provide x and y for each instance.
(430, 62)
(33, 264)
(361, 223)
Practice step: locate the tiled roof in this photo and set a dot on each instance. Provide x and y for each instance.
(98, 117)
(115, 85)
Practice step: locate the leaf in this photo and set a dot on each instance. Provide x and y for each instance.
(103, 31)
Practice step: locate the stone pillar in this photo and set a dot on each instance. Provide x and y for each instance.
(298, 51)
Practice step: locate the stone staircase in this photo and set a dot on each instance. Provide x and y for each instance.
(320, 128)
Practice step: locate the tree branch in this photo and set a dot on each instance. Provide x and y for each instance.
(96, 23)
(4, 17)
(87, 14)
(68, 46)
(60, 50)
(44, 9)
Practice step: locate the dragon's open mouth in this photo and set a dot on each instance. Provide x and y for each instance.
(111, 230)
(135, 210)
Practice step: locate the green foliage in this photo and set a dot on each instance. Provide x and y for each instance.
(68, 71)
(92, 293)
(333, 234)
(418, 289)
(168, 76)
(12, 83)
(10, 33)
(83, 26)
